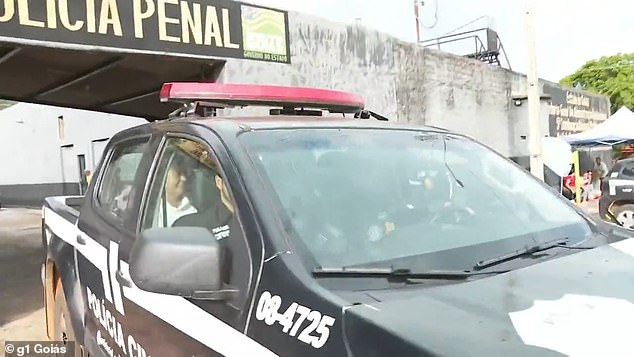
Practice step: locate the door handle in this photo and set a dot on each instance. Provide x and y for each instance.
(81, 240)
(123, 280)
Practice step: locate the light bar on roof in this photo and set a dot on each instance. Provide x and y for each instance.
(262, 95)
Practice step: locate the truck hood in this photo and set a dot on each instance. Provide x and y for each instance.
(577, 305)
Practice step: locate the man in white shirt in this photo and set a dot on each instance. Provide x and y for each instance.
(177, 204)
(599, 173)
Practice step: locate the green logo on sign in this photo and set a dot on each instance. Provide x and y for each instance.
(264, 34)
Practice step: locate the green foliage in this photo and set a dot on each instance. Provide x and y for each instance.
(612, 76)
(617, 150)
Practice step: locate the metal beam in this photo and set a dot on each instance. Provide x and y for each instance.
(207, 72)
(128, 99)
(5, 57)
(82, 107)
(99, 69)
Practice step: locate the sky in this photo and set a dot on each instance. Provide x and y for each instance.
(567, 32)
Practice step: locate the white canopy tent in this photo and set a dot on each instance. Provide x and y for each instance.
(557, 155)
(618, 128)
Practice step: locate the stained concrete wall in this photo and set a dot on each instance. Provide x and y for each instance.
(456, 93)
(329, 55)
(403, 81)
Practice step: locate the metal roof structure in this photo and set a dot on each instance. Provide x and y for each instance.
(114, 57)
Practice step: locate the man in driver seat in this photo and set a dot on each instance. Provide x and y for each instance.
(218, 213)
(175, 203)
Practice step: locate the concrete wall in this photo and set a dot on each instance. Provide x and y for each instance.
(440, 89)
(405, 82)
(329, 55)
(35, 164)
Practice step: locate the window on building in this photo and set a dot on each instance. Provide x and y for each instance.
(60, 127)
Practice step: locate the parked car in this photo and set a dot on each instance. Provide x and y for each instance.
(321, 229)
(617, 194)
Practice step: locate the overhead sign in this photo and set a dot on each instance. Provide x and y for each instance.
(203, 28)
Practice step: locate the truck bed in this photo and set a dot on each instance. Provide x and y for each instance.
(66, 206)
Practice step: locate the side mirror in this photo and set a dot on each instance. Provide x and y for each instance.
(181, 261)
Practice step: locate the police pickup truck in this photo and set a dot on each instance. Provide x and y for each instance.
(323, 229)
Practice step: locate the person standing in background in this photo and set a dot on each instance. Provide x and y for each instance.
(598, 173)
(84, 181)
(88, 174)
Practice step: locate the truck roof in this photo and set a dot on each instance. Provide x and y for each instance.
(236, 124)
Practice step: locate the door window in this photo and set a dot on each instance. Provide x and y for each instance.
(118, 179)
(189, 189)
(628, 170)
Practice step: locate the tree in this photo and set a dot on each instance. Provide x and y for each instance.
(612, 76)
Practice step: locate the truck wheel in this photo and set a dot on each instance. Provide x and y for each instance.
(62, 327)
(625, 215)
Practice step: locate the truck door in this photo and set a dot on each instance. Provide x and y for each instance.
(104, 220)
(621, 184)
(189, 188)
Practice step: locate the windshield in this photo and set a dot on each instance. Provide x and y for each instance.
(361, 196)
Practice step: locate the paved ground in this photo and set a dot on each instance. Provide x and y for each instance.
(21, 301)
(592, 208)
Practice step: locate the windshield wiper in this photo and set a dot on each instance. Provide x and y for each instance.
(560, 243)
(399, 273)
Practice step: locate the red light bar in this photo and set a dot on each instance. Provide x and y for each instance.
(262, 95)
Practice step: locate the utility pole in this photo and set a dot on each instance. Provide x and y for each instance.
(535, 132)
(417, 4)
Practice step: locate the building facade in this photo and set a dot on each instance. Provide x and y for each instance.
(45, 150)
(573, 111)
